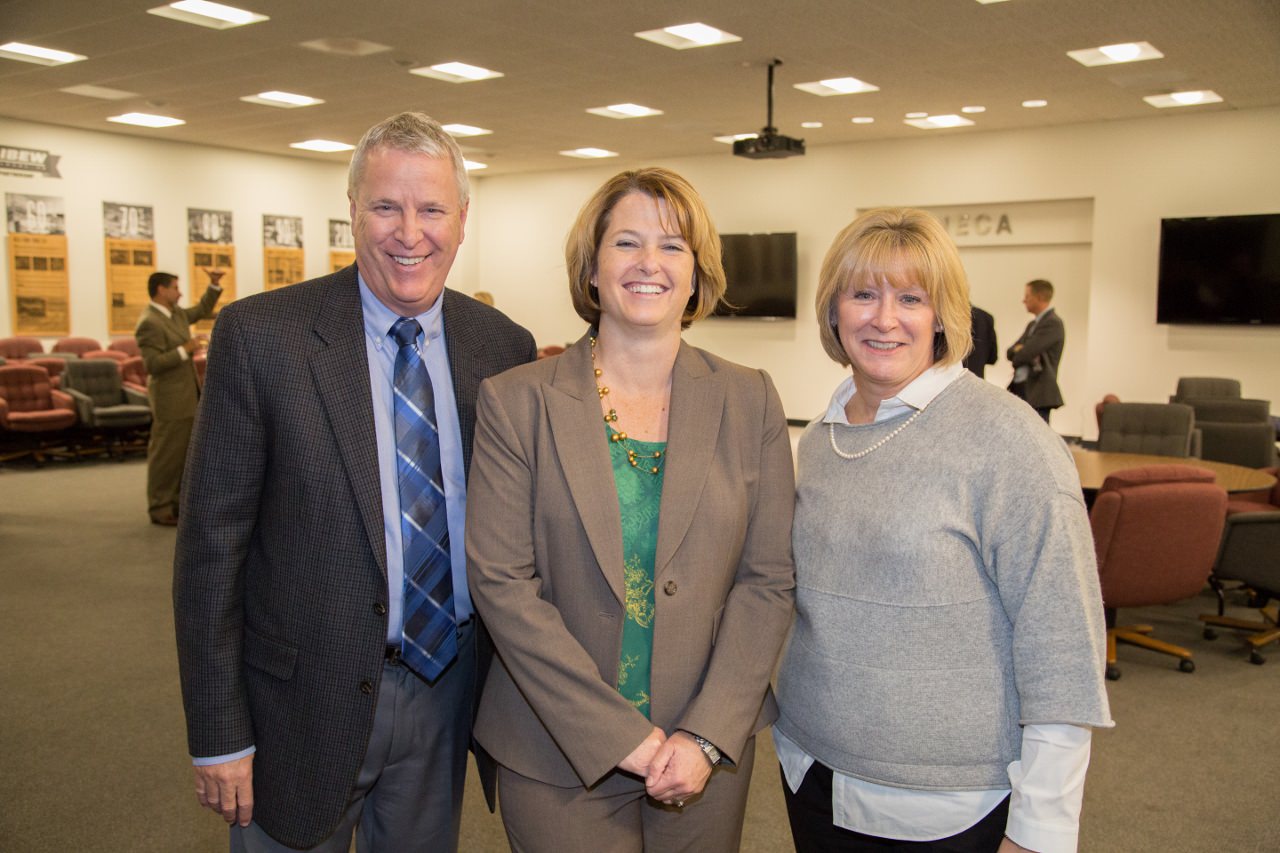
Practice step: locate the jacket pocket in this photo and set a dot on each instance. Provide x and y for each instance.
(268, 655)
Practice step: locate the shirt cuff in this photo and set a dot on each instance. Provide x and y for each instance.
(1048, 787)
(183, 354)
(223, 759)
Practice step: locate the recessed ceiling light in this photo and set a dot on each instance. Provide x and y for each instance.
(1184, 99)
(465, 130)
(456, 72)
(38, 55)
(146, 120)
(101, 92)
(989, 2)
(284, 100)
(916, 115)
(973, 109)
(837, 86)
(862, 120)
(734, 137)
(685, 36)
(1111, 54)
(590, 153)
(811, 124)
(473, 166)
(342, 46)
(205, 14)
(939, 121)
(624, 111)
(326, 146)
(1035, 103)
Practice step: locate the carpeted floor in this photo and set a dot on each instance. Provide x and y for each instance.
(93, 755)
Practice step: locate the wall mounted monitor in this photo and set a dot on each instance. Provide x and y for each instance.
(761, 274)
(1220, 270)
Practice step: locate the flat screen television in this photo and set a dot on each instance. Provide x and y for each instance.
(1220, 270)
(761, 273)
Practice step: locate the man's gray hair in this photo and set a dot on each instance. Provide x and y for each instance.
(413, 132)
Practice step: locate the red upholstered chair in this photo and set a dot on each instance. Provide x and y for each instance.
(31, 411)
(18, 349)
(133, 371)
(1267, 500)
(1156, 530)
(128, 346)
(55, 366)
(78, 346)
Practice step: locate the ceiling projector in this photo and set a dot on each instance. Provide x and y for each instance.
(769, 145)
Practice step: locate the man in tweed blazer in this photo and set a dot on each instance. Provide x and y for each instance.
(302, 721)
(164, 339)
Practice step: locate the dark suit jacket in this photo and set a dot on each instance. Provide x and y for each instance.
(172, 386)
(1041, 351)
(544, 549)
(280, 586)
(985, 348)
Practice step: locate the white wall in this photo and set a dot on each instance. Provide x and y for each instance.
(1135, 173)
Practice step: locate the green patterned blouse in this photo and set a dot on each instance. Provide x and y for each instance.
(639, 497)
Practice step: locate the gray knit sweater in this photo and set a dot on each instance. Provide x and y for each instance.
(947, 593)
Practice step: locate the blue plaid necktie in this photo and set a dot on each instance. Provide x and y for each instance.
(429, 639)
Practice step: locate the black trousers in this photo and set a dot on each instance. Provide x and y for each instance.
(1019, 389)
(812, 830)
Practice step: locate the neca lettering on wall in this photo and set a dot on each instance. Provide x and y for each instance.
(977, 225)
(28, 161)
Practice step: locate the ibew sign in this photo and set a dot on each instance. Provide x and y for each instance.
(28, 161)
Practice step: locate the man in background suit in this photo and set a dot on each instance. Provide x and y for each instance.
(985, 349)
(1035, 355)
(294, 580)
(164, 337)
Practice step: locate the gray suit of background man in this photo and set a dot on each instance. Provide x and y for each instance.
(1036, 354)
(303, 722)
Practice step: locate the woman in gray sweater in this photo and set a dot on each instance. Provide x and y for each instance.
(946, 662)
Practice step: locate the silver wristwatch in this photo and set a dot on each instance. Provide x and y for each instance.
(708, 749)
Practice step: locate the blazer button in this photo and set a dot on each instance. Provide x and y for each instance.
(670, 587)
(366, 687)
(380, 609)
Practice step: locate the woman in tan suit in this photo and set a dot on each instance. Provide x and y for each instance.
(628, 538)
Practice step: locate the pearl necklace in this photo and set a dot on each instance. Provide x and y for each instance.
(879, 444)
(617, 435)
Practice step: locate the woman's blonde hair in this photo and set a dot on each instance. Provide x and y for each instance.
(689, 215)
(905, 247)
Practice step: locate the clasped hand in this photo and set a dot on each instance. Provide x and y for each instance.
(674, 768)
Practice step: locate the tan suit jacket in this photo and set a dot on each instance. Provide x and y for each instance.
(172, 384)
(544, 548)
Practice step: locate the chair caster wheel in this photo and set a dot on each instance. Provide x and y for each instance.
(1256, 659)
(1187, 665)
(1210, 634)
(1113, 672)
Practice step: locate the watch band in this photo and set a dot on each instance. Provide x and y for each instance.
(708, 749)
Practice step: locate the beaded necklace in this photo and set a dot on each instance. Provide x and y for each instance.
(658, 458)
(881, 443)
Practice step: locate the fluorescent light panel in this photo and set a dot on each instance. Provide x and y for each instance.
(36, 54)
(734, 137)
(837, 86)
(624, 111)
(100, 92)
(343, 46)
(283, 100)
(465, 130)
(146, 120)
(685, 36)
(973, 109)
(1035, 103)
(473, 166)
(590, 153)
(456, 72)
(939, 121)
(202, 13)
(811, 125)
(862, 120)
(1113, 54)
(1190, 98)
(325, 146)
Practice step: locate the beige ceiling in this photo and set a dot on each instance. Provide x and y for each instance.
(561, 57)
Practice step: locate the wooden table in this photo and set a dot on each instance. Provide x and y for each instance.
(1094, 466)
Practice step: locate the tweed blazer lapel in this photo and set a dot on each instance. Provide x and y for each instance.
(697, 405)
(340, 367)
(573, 407)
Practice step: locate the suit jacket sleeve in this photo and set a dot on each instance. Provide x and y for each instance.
(593, 725)
(225, 468)
(157, 355)
(758, 611)
(202, 309)
(1047, 334)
